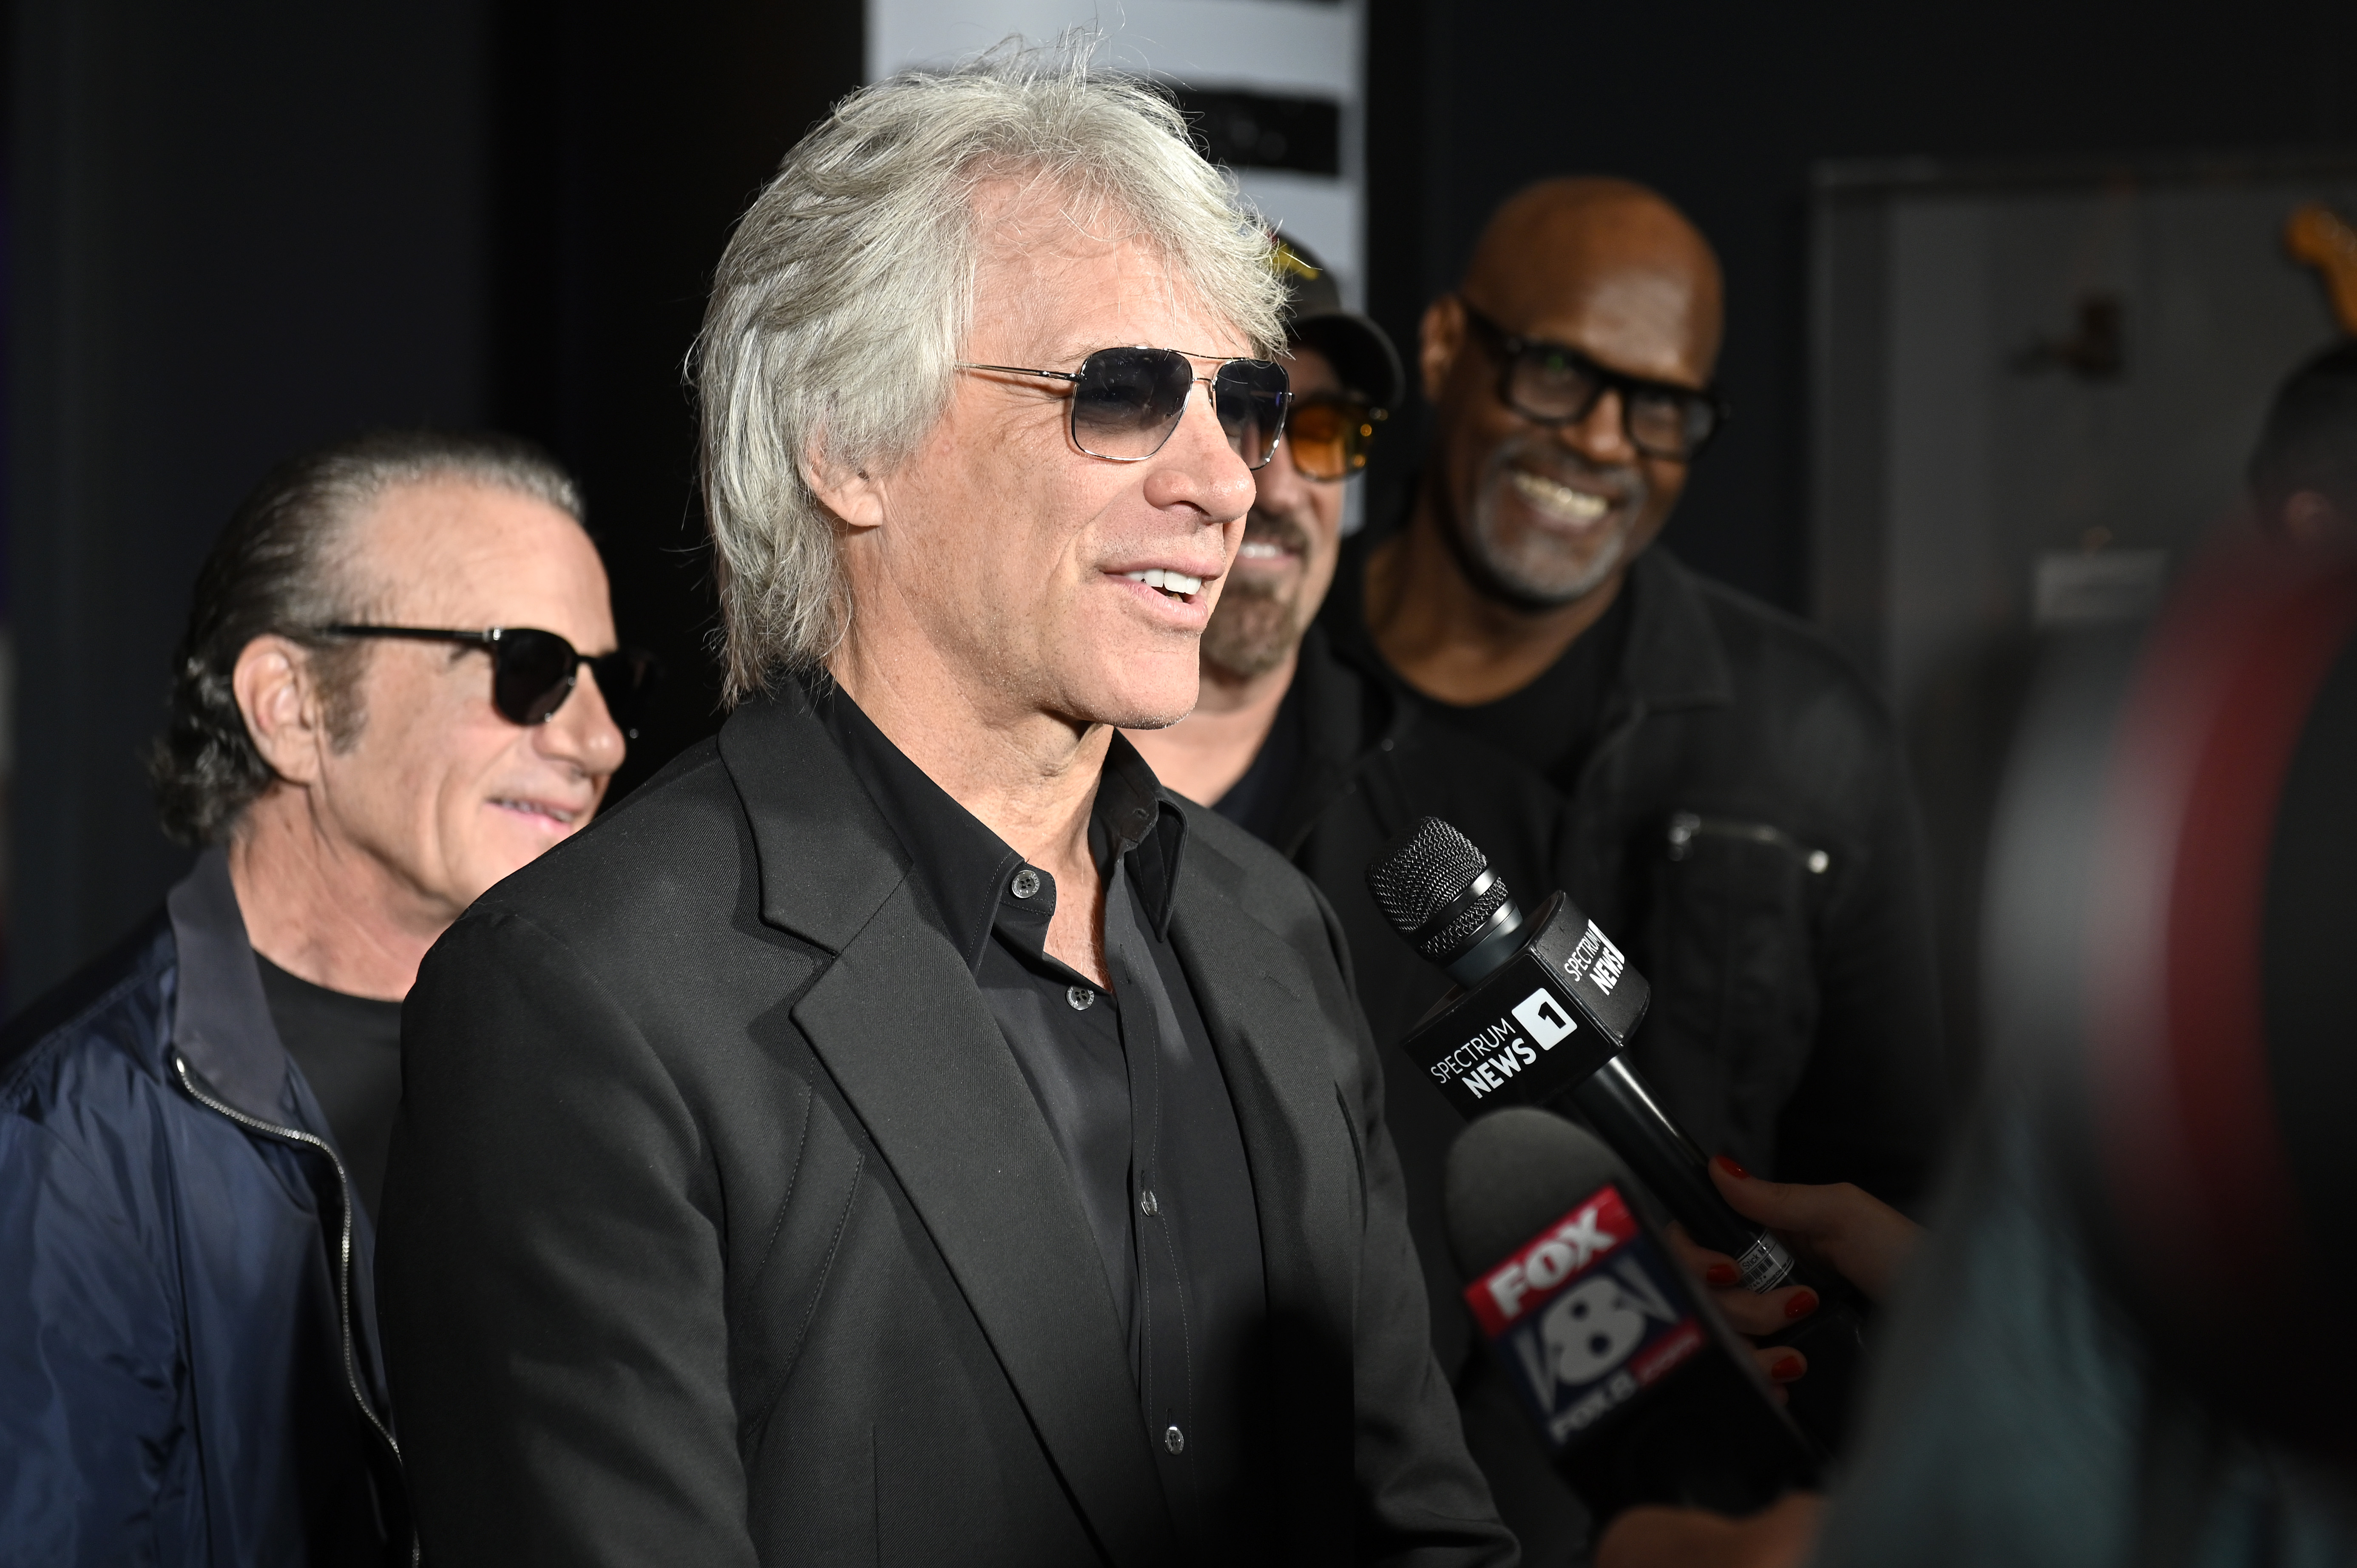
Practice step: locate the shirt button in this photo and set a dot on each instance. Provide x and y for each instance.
(1080, 997)
(1026, 883)
(1175, 1441)
(1147, 1207)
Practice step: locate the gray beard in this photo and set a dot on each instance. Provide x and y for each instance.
(1506, 579)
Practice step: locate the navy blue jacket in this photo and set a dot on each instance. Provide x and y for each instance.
(188, 1369)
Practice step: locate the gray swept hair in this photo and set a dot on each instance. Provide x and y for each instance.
(845, 294)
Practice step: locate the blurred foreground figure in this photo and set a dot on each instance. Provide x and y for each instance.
(2125, 1343)
(193, 1130)
(903, 1132)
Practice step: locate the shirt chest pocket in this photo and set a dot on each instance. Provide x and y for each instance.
(1735, 995)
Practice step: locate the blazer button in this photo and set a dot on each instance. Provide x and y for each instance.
(1175, 1441)
(1026, 883)
(1147, 1207)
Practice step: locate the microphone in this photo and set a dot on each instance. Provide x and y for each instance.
(1544, 1005)
(1637, 1385)
(1515, 1035)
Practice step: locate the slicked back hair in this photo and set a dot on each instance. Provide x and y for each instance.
(845, 294)
(286, 564)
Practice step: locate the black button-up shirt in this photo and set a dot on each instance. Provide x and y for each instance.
(1132, 1090)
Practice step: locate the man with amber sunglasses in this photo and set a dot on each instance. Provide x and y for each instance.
(1269, 680)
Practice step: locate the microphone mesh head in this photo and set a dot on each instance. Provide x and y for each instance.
(1421, 873)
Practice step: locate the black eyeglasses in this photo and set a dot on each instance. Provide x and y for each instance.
(1549, 384)
(533, 673)
(1329, 435)
(1126, 402)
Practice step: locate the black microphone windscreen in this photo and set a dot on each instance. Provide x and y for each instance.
(1514, 1172)
(1420, 874)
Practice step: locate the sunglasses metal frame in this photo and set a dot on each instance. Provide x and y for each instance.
(1368, 417)
(1073, 419)
(1510, 346)
(492, 642)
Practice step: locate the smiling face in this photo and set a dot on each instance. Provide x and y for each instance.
(1543, 516)
(446, 795)
(1293, 536)
(999, 562)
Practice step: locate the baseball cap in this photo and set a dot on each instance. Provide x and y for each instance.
(1359, 351)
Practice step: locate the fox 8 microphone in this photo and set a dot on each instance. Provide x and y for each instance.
(1636, 1384)
(1543, 1010)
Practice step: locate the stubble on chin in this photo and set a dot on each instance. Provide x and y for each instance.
(1251, 633)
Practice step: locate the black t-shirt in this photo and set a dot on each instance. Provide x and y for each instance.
(1256, 802)
(349, 1048)
(1551, 724)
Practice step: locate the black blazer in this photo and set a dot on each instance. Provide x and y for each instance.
(722, 1227)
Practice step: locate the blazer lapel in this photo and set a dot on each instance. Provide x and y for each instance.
(899, 1025)
(1272, 1032)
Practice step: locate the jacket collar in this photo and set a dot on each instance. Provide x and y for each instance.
(963, 866)
(220, 1020)
(1674, 658)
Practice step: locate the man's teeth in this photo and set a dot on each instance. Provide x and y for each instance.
(1559, 500)
(1176, 583)
(535, 809)
(1262, 550)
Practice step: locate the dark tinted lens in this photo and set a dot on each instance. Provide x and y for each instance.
(1252, 396)
(1328, 437)
(1669, 424)
(531, 675)
(1129, 401)
(1549, 384)
(624, 679)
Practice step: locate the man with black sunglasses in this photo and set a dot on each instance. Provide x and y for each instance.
(904, 1130)
(1717, 788)
(375, 715)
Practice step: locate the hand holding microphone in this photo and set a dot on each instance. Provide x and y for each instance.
(1838, 1226)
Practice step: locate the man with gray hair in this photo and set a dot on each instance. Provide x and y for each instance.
(904, 1130)
(193, 1130)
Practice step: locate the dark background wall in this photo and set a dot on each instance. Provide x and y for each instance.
(1725, 108)
(239, 229)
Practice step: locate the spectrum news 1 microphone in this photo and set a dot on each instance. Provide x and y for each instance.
(1638, 1386)
(1545, 1006)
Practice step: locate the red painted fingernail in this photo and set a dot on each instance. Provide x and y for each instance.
(1731, 1168)
(1723, 1275)
(1787, 1368)
(1801, 1305)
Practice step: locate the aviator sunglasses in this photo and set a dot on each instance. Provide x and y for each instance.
(1126, 402)
(532, 672)
(1551, 383)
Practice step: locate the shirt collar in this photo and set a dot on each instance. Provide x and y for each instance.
(966, 869)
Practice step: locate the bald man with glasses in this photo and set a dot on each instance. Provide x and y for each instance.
(1721, 790)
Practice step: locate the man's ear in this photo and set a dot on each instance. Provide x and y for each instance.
(1438, 342)
(852, 494)
(275, 695)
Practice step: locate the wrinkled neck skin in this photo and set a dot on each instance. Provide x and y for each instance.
(323, 908)
(1027, 775)
(1203, 754)
(1451, 641)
